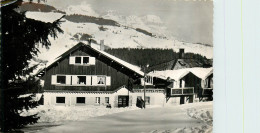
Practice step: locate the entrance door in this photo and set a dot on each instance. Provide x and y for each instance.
(123, 101)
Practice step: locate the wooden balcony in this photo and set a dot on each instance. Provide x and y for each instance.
(182, 91)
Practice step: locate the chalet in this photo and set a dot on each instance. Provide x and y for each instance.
(85, 75)
(187, 83)
(88, 76)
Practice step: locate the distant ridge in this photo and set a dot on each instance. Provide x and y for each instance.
(27, 6)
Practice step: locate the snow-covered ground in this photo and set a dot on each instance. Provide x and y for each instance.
(62, 114)
(187, 118)
(201, 111)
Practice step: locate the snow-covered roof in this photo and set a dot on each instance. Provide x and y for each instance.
(201, 73)
(122, 62)
(173, 74)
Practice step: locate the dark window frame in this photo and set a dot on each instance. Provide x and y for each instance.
(101, 77)
(60, 100)
(97, 101)
(83, 80)
(86, 58)
(81, 100)
(61, 81)
(107, 100)
(78, 58)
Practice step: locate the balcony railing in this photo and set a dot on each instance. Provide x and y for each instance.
(182, 91)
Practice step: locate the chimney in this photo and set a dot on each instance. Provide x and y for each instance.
(102, 46)
(181, 53)
(89, 41)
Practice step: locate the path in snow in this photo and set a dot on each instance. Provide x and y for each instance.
(131, 121)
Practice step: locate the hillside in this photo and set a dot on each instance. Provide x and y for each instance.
(117, 31)
(27, 6)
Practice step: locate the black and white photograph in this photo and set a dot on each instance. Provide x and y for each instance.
(107, 66)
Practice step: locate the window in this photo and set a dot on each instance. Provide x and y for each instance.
(78, 60)
(61, 79)
(60, 99)
(82, 60)
(101, 80)
(107, 100)
(98, 100)
(80, 99)
(81, 80)
(147, 100)
(148, 80)
(85, 60)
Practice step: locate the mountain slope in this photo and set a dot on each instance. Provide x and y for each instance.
(117, 32)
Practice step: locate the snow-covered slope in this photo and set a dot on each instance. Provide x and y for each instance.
(152, 33)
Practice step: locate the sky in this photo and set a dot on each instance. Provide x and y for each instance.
(188, 21)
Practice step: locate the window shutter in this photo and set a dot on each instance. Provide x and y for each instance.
(68, 79)
(53, 79)
(207, 83)
(142, 81)
(72, 60)
(74, 80)
(202, 83)
(211, 83)
(94, 80)
(88, 80)
(183, 83)
(92, 60)
(108, 81)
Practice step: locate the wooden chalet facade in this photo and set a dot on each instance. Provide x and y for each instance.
(185, 85)
(84, 75)
(87, 76)
(184, 80)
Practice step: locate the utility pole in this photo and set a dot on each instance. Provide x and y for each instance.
(144, 86)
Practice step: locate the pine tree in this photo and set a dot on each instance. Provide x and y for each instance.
(20, 39)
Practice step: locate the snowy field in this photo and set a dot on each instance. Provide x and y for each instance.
(62, 114)
(187, 118)
(201, 111)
